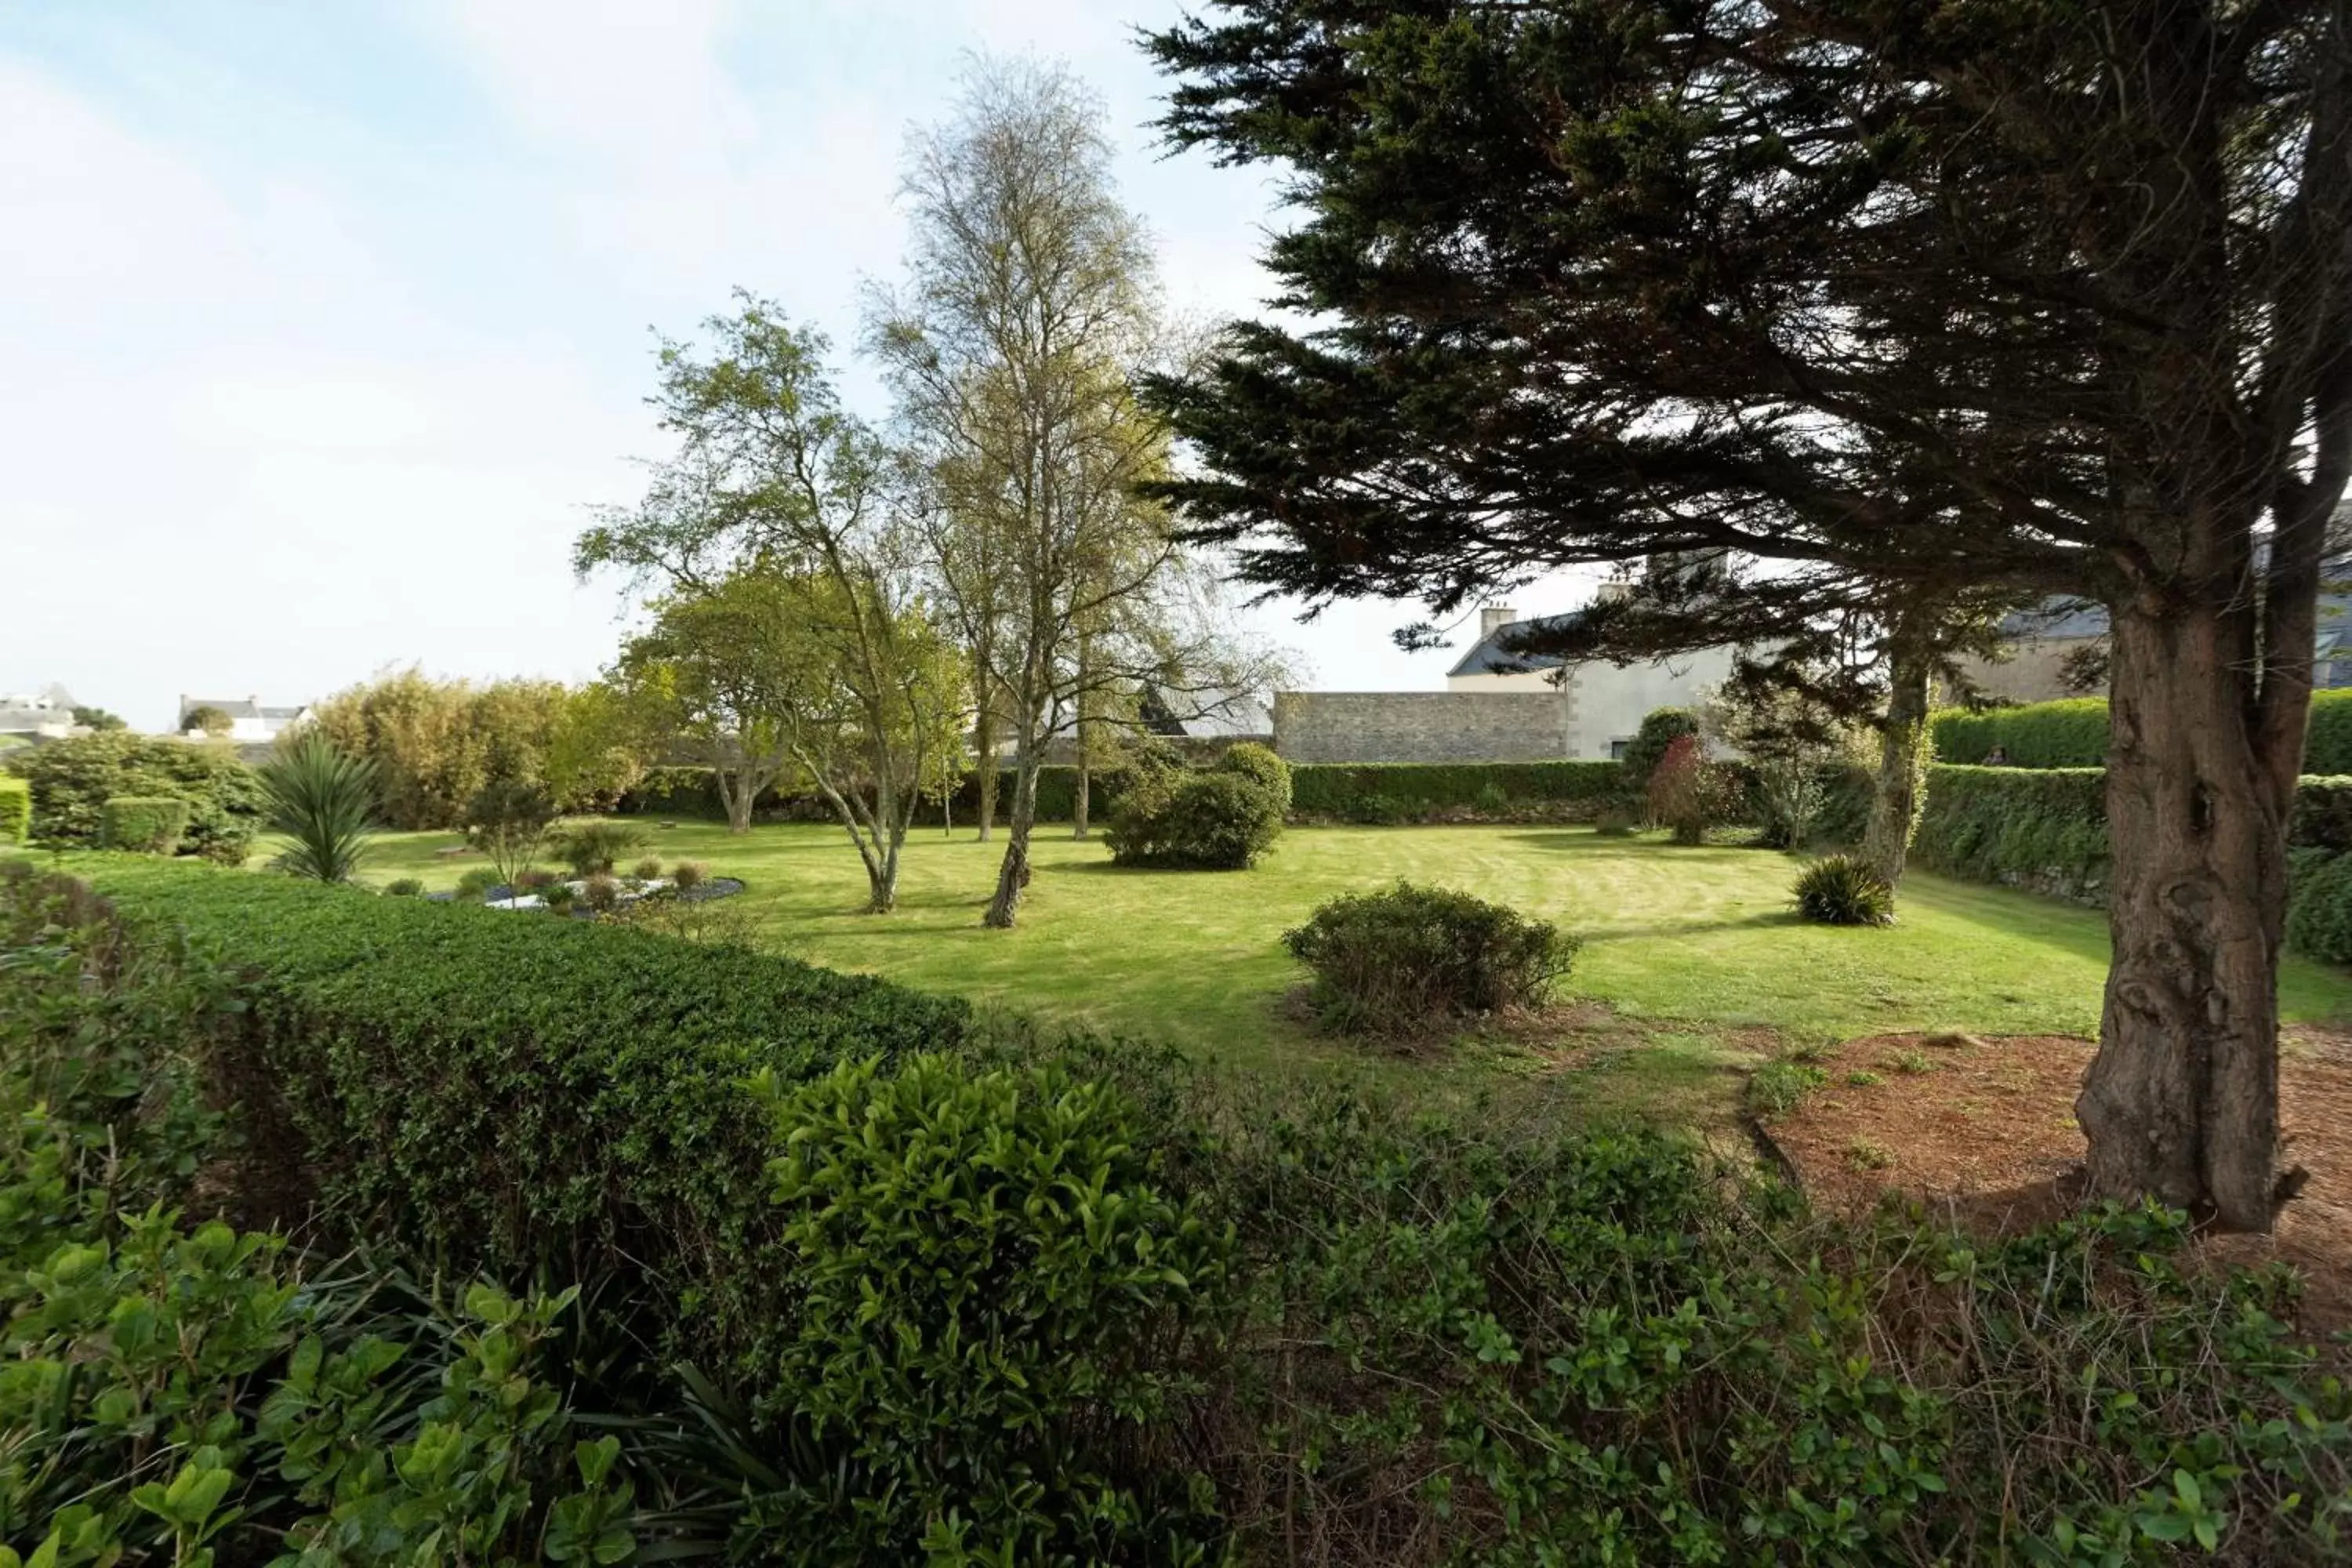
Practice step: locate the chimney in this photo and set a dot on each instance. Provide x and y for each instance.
(1493, 618)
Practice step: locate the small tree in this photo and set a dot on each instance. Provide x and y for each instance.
(507, 820)
(97, 719)
(1661, 728)
(321, 800)
(212, 720)
(1687, 793)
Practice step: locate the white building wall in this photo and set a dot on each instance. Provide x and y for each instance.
(1610, 702)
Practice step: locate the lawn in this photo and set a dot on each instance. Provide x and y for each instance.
(1697, 944)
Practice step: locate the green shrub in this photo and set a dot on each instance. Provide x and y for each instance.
(1844, 890)
(145, 825)
(601, 894)
(16, 810)
(1689, 794)
(1388, 792)
(559, 897)
(2327, 736)
(996, 1289)
(72, 780)
(507, 820)
(2319, 909)
(503, 1093)
(1660, 727)
(2040, 828)
(688, 875)
(648, 869)
(589, 848)
(1791, 796)
(404, 888)
(1396, 962)
(1222, 818)
(476, 883)
(2071, 733)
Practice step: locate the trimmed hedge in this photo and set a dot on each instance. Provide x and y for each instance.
(2072, 733)
(145, 825)
(1408, 792)
(73, 779)
(2046, 828)
(691, 792)
(16, 810)
(2068, 733)
(505, 1093)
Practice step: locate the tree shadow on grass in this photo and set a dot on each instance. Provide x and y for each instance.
(1790, 917)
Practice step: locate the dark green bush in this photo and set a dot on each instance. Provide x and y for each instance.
(1397, 962)
(2319, 908)
(2327, 739)
(1219, 819)
(1660, 727)
(73, 779)
(16, 810)
(476, 882)
(589, 848)
(404, 888)
(144, 825)
(502, 1092)
(995, 1291)
(1844, 890)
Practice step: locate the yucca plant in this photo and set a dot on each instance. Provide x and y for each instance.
(1844, 890)
(320, 799)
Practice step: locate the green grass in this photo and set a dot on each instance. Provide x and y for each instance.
(1697, 936)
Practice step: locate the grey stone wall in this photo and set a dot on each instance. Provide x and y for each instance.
(1423, 726)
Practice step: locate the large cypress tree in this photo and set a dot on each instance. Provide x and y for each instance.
(2051, 295)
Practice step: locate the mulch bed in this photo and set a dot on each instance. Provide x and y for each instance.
(1984, 1128)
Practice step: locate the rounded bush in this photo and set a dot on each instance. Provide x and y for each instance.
(404, 888)
(149, 825)
(601, 894)
(1220, 819)
(1844, 890)
(1396, 962)
(476, 882)
(648, 869)
(995, 1288)
(688, 874)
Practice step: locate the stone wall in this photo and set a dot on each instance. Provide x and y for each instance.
(1423, 726)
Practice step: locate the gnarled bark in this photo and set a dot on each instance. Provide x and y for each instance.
(2181, 1102)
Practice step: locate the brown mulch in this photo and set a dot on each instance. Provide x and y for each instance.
(1984, 1126)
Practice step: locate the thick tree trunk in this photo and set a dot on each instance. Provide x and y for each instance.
(1079, 801)
(735, 794)
(1895, 803)
(1013, 876)
(2181, 1102)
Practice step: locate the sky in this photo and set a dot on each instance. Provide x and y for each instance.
(321, 326)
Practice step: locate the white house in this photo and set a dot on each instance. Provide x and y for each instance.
(47, 715)
(249, 723)
(1605, 702)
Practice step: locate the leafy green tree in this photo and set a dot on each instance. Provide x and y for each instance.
(435, 743)
(2050, 298)
(507, 820)
(323, 800)
(97, 719)
(72, 780)
(781, 494)
(1027, 313)
(212, 720)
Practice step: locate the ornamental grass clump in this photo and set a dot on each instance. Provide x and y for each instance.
(1844, 890)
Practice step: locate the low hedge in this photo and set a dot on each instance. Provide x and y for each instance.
(691, 792)
(506, 1094)
(16, 810)
(1410, 792)
(2072, 733)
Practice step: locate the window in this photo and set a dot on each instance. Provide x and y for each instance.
(1617, 749)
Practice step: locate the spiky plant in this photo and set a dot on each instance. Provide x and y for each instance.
(321, 800)
(1844, 890)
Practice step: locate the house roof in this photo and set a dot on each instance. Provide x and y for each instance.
(1210, 715)
(1489, 656)
(240, 708)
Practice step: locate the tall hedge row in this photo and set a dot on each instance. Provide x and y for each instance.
(505, 1093)
(2046, 828)
(2072, 733)
(1342, 789)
